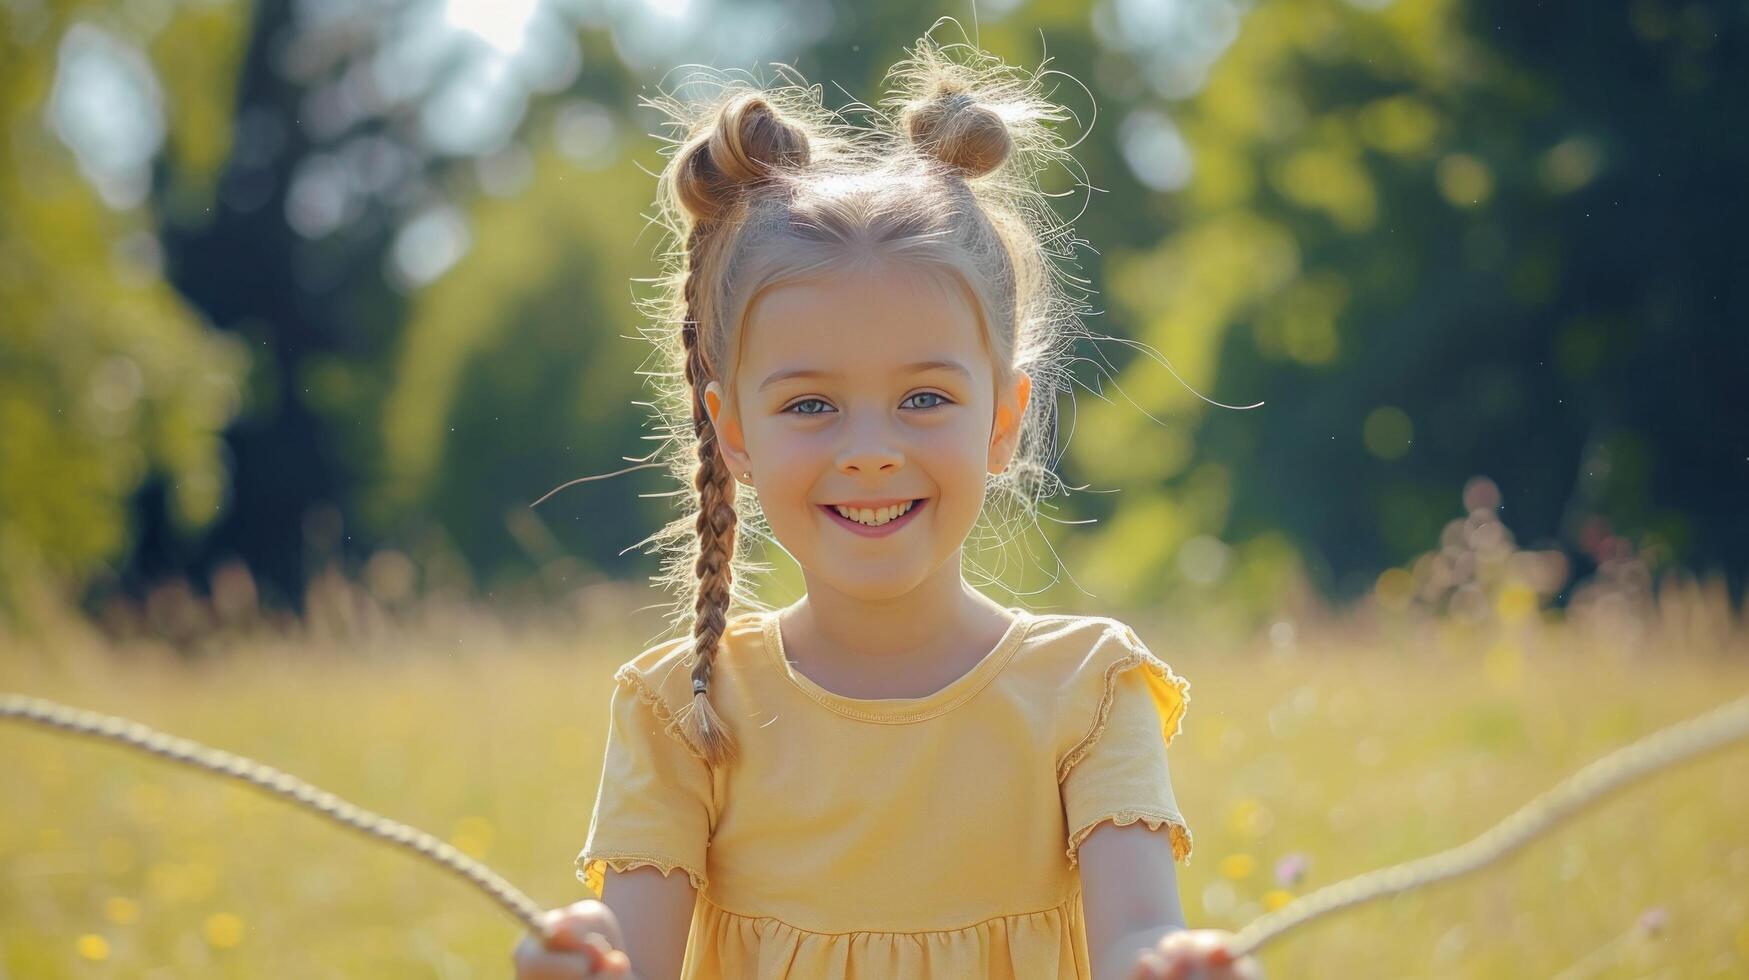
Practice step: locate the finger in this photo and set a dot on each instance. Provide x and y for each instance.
(547, 965)
(552, 928)
(1181, 966)
(573, 936)
(616, 964)
(1149, 966)
(607, 961)
(1204, 947)
(526, 952)
(566, 939)
(1176, 941)
(599, 917)
(1214, 951)
(1173, 951)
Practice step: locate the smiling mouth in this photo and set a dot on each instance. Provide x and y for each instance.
(879, 521)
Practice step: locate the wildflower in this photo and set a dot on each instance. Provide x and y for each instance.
(93, 947)
(1236, 866)
(224, 930)
(1290, 869)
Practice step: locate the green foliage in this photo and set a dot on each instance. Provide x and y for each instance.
(108, 377)
(1422, 235)
(517, 372)
(1435, 239)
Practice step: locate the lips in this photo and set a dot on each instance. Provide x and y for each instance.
(866, 531)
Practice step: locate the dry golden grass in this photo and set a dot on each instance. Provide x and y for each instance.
(1353, 744)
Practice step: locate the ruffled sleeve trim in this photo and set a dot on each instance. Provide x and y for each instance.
(592, 868)
(1179, 832)
(1171, 695)
(632, 679)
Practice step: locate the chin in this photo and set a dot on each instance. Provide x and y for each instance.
(875, 588)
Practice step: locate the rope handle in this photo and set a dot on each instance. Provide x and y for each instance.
(188, 752)
(1658, 751)
(1662, 749)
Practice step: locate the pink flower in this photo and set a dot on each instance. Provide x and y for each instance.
(1290, 869)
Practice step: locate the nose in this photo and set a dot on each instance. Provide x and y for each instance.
(869, 448)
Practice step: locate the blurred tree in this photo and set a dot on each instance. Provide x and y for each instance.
(421, 232)
(108, 378)
(1438, 239)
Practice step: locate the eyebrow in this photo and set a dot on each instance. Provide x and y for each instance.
(917, 368)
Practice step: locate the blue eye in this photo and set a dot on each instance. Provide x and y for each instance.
(807, 401)
(942, 399)
(796, 408)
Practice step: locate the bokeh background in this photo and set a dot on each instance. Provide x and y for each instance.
(303, 304)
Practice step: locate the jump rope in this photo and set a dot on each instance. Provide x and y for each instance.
(1663, 749)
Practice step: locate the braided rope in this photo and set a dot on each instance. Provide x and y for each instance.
(1658, 751)
(192, 753)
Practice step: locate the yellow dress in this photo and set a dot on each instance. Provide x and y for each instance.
(919, 837)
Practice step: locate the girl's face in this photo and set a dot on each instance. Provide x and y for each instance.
(868, 390)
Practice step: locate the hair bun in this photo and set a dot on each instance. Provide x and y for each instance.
(956, 129)
(747, 143)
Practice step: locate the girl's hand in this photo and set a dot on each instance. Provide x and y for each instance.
(1194, 954)
(583, 941)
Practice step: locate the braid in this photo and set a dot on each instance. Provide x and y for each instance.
(716, 537)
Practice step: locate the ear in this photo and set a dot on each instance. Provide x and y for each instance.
(730, 442)
(1010, 411)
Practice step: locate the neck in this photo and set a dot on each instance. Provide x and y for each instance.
(942, 608)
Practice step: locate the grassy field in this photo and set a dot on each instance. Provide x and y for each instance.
(1339, 746)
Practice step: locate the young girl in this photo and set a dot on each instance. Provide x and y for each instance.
(894, 776)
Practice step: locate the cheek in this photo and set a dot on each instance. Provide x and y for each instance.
(784, 461)
(961, 445)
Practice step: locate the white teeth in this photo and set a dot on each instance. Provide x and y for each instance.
(871, 517)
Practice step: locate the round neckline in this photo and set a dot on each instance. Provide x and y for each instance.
(897, 710)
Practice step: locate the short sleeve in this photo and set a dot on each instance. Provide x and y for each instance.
(654, 805)
(1118, 770)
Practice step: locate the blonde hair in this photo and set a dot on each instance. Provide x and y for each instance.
(766, 186)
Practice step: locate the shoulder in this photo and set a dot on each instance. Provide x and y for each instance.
(1069, 646)
(1085, 664)
(662, 672)
(1067, 626)
(656, 685)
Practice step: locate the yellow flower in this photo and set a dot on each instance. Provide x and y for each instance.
(1515, 604)
(94, 947)
(224, 930)
(1276, 897)
(1236, 866)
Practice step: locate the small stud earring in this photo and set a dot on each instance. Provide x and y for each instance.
(746, 474)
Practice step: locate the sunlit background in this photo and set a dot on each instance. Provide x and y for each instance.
(303, 304)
